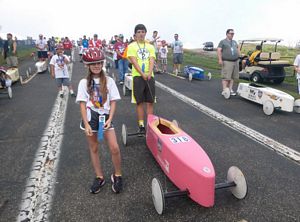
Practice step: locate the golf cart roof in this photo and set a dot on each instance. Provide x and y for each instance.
(261, 40)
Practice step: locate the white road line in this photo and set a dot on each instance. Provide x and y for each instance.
(37, 197)
(252, 134)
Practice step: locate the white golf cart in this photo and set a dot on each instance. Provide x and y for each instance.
(269, 66)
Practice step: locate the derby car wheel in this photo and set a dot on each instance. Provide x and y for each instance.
(124, 90)
(9, 91)
(235, 175)
(174, 121)
(256, 77)
(114, 77)
(268, 107)
(209, 76)
(124, 134)
(297, 105)
(226, 93)
(158, 196)
(190, 77)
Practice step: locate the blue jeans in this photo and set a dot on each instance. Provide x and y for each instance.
(123, 68)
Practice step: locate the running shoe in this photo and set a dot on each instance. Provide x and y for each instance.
(97, 184)
(232, 93)
(117, 183)
(141, 131)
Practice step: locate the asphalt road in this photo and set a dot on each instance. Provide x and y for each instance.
(273, 180)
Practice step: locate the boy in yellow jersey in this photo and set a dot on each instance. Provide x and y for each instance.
(141, 55)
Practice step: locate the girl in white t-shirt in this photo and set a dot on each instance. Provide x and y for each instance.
(97, 95)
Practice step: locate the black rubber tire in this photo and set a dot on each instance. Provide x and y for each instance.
(255, 77)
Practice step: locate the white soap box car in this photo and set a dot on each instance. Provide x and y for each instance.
(41, 66)
(127, 83)
(270, 98)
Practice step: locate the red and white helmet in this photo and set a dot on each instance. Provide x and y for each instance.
(3, 69)
(93, 55)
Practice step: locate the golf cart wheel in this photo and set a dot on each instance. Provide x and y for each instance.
(124, 134)
(190, 77)
(235, 175)
(256, 77)
(297, 106)
(174, 121)
(226, 93)
(124, 90)
(209, 76)
(268, 107)
(158, 196)
(9, 91)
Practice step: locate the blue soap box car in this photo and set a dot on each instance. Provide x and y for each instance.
(192, 72)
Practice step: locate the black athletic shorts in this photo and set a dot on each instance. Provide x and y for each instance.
(143, 90)
(42, 54)
(93, 119)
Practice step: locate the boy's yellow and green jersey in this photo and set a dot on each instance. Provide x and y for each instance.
(142, 52)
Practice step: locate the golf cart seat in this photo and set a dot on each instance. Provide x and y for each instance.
(272, 58)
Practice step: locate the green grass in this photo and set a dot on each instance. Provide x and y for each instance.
(23, 53)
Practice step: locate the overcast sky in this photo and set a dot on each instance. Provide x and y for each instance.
(196, 21)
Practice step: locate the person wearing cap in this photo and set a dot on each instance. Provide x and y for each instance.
(10, 51)
(97, 97)
(41, 45)
(95, 42)
(141, 55)
(59, 70)
(119, 48)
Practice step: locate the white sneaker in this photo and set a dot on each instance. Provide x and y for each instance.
(232, 93)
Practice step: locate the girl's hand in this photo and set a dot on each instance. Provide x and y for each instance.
(107, 124)
(88, 130)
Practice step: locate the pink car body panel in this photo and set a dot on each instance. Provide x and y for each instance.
(182, 159)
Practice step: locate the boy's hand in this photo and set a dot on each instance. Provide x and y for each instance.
(144, 77)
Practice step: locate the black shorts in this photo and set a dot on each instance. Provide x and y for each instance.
(68, 52)
(143, 91)
(42, 54)
(93, 119)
